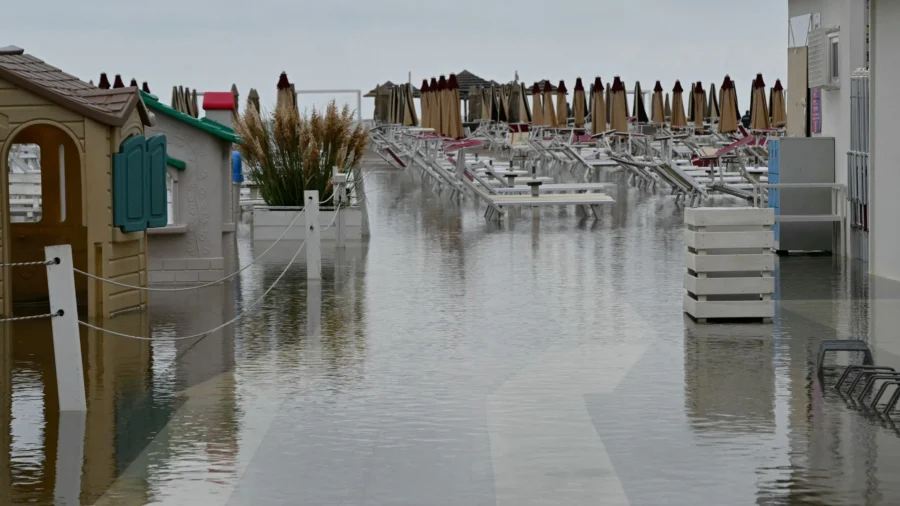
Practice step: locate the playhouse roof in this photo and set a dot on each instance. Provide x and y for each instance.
(110, 107)
(207, 125)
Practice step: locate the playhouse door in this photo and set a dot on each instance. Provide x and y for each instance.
(44, 209)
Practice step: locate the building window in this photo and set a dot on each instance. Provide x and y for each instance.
(834, 58)
(170, 196)
(25, 193)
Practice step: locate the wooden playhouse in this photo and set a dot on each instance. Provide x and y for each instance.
(102, 184)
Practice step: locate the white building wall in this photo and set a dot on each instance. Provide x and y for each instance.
(850, 16)
(191, 250)
(884, 176)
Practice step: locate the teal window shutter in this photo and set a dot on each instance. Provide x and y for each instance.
(155, 169)
(129, 181)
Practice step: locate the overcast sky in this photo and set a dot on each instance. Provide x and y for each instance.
(210, 44)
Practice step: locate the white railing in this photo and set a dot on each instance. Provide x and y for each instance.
(838, 213)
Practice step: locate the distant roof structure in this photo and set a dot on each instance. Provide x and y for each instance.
(389, 85)
(108, 106)
(467, 80)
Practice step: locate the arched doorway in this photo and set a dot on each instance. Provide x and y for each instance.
(43, 208)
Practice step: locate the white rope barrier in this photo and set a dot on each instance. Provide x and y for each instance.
(204, 285)
(222, 326)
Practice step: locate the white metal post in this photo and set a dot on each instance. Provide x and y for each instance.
(313, 235)
(66, 340)
(69, 457)
(340, 180)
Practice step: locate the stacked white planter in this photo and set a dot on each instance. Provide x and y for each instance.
(729, 263)
(269, 223)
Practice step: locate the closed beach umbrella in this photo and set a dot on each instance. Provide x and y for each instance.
(445, 106)
(759, 111)
(679, 120)
(640, 111)
(456, 128)
(253, 99)
(668, 108)
(550, 118)
(523, 91)
(434, 107)
(474, 101)
(283, 95)
(712, 109)
(410, 105)
(487, 104)
(608, 103)
(424, 104)
(562, 107)
(514, 115)
(578, 103)
(728, 122)
(779, 108)
(657, 109)
(699, 104)
(690, 108)
(619, 111)
(537, 106)
(598, 108)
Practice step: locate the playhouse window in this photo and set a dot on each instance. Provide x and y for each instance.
(25, 193)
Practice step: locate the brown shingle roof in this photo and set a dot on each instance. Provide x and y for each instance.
(110, 107)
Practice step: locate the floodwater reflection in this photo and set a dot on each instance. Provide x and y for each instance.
(450, 361)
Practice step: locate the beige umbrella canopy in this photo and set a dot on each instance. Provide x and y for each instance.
(657, 109)
(456, 127)
(578, 103)
(525, 108)
(598, 108)
(562, 107)
(679, 120)
(195, 109)
(640, 111)
(550, 118)
(699, 105)
(618, 120)
(728, 122)
(712, 108)
(235, 94)
(779, 108)
(518, 106)
(759, 111)
(668, 109)
(537, 107)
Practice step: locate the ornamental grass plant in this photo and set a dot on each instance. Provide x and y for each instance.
(288, 153)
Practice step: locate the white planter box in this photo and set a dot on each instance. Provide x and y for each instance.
(270, 222)
(729, 263)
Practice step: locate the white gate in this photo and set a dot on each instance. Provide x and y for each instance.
(858, 165)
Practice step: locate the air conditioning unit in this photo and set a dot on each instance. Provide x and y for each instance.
(823, 69)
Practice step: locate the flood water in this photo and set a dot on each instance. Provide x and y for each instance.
(449, 362)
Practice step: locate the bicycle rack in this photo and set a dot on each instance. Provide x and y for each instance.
(834, 345)
(867, 374)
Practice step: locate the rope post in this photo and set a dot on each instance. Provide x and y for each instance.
(313, 235)
(340, 180)
(66, 339)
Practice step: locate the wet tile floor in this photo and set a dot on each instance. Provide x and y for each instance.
(451, 363)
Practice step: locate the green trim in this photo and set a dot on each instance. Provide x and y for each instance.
(208, 126)
(176, 163)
